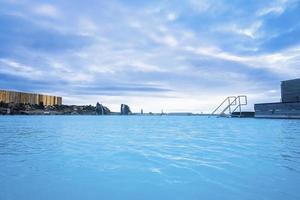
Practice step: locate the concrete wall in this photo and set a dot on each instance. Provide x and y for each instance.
(278, 110)
(290, 91)
(28, 98)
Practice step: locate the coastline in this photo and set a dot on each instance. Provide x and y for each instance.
(88, 110)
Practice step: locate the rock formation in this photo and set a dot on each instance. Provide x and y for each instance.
(27, 109)
(102, 110)
(125, 110)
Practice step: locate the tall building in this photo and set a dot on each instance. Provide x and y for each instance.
(29, 98)
(290, 91)
(289, 107)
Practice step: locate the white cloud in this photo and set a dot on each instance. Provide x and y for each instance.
(141, 66)
(251, 31)
(8, 66)
(275, 7)
(168, 40)
(215, 52)
(275, 10)
(46, 10)
(285, 62)
(172, 16)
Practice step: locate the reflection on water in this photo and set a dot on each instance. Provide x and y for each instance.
(290, 154)
(114, 157)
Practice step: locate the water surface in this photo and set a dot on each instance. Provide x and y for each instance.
(144, 157)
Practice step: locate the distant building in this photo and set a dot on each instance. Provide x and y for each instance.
(29, 98)
(290, 91)
(289, 107)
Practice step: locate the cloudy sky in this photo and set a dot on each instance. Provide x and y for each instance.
(160, 54)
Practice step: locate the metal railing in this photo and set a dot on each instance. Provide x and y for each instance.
(229, 102)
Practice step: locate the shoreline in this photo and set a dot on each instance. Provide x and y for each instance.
(19, 109)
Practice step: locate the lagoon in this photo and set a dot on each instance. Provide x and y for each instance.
(148, 157)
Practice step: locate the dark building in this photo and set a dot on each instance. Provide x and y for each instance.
(290, 91)
(289, 107)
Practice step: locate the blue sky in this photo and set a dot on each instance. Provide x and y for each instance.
(160, 54)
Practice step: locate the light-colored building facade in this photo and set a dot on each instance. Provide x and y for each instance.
(29, 98)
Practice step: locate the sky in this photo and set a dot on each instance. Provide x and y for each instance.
(176, 56)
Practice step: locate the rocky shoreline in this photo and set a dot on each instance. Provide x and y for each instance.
(28, 109)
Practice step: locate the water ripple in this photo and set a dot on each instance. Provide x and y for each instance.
(149, 157)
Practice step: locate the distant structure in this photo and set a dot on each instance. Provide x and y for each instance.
(290, 91)
(29, 98)
(289, 107)
(142, 111)
(125, 110)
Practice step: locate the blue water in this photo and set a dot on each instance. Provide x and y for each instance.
(115, 157)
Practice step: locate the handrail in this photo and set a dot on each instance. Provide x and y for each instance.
(229, 106)
(236, 101)
(227, 99)
(241, 104)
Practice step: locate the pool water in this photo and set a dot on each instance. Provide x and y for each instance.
(148, 157)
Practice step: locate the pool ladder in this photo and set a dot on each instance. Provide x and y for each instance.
(231, 103)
